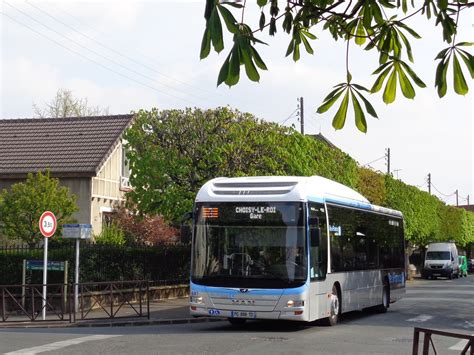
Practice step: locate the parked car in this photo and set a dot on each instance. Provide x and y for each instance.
(462, 266)
(470, 266)
(441, 260)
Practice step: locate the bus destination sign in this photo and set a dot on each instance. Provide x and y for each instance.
(255, 212)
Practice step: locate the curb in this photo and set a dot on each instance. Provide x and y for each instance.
(92, 324)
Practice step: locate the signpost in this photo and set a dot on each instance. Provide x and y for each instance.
(47, 226)
(77, 232)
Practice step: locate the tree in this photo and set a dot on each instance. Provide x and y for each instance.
(142, 228)
(23, 205)
(378, 25)
(173, 153)
(65, 104)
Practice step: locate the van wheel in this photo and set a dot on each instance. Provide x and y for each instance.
(237, 321)
(335, 310)
(383, 307)
(450, 276)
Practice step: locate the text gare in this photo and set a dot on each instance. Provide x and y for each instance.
(255, 212)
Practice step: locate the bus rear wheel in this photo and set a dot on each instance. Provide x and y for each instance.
(383, 307)
(335, 308)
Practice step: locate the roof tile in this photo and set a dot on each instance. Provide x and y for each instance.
(78, 144)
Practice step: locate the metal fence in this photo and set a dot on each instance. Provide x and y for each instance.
(98, 300)
(100, 262)
(95, 300)
(428, 340)
(19, 303)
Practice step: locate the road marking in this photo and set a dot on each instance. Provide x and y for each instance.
(436, 299)
(468, 324)
(459, 346)
(421, 318)
(60, 344)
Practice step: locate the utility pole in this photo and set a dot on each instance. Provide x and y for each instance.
(387, 157)
(468, 200)
(457, 198)
(429, 183)
(301, 107)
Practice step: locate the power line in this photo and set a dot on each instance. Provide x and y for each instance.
(373, 161)
(80, 22)
(290, 116)
(94, 61)
(97, 53)
(423, 185)
(115, 51)
(445, 195)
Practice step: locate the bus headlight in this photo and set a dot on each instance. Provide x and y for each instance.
(295, 303)
(196, 299)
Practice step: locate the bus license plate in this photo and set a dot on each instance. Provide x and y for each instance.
(243, 314)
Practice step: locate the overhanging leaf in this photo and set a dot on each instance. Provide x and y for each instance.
(468, 60)
(360, 34)
(330, 101)
(379, 82)
(215, 28)
(440, 80)
(205, 44)
(460, 85)
(229, 19)
(250, 69)
(360, 121)
(224, 72)
(258, 60)
(368, 106)
(234, 67)
(307, 46)
(405, 85)
(390, 91)
(413, 75)
(340, 118)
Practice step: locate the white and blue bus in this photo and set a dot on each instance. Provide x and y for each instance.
(292, 248)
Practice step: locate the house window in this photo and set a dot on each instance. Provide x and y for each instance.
(125, 170)
(107, 219)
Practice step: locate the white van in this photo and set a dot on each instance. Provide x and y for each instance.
(441, 260)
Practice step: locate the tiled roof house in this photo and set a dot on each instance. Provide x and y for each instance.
(85, 153)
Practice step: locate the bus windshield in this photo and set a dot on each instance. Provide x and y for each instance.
(249, 245)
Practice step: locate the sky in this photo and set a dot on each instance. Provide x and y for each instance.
(131, 55)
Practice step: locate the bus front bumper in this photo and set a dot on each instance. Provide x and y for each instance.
(295, 313)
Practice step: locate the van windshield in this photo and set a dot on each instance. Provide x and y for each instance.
(438, 255)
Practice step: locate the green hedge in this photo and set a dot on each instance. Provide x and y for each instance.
(102, 263)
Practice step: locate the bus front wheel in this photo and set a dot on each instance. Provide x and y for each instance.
(335, 307)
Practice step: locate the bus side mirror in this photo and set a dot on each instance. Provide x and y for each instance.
(185, 228)
(314, 237)
(185, 233)
(186, 217)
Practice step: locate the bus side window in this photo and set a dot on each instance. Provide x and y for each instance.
(318, 241)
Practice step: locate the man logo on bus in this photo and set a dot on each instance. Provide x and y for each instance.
(244, 290)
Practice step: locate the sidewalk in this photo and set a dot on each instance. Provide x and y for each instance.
(168, 311)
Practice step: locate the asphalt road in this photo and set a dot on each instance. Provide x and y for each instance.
(440, 304)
